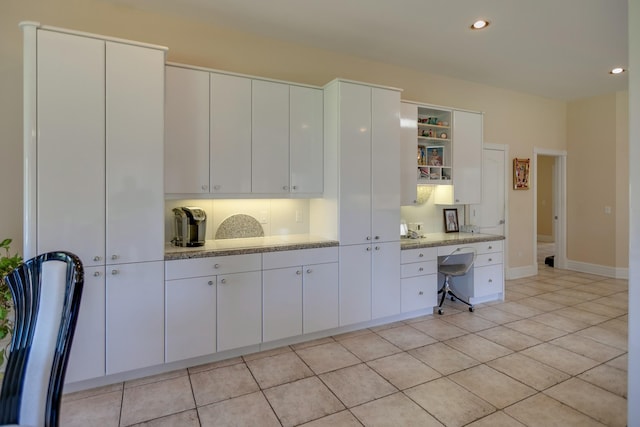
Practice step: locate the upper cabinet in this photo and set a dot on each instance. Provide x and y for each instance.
(230, 135)
(443, 147)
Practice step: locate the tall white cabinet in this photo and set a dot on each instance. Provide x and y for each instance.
(93, 186)
(362, 190)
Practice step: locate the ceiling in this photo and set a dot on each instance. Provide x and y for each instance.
(561, 49)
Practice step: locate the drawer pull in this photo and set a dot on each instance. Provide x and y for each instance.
(377, 248)
(421, 255)
(298, 272)
(114, 257)
(216, 266)
(490, 247)
(96, 274)
(421, 269)
(420, 293)
(490, 259)
(97, 258)
(210, 283)
(490, 281)
(368, 248)
(114, 272)
(309, 271)
(223, 281)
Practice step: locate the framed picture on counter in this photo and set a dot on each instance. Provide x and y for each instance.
(451, 220)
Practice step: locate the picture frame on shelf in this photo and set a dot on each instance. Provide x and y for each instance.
(435, 155)
(451, 224)
(520, 174)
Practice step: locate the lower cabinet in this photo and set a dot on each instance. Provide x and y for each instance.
(419, 287)
(300, 292)
(239, 309)
(190, 318)
(134, 316)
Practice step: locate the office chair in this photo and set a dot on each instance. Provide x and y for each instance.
(46, 293)
(457, 263)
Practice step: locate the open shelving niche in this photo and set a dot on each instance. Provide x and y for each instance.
(434, 146)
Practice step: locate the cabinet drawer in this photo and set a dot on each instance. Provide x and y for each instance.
(271, 260)
(197, 267)
(418, 293)
(488, 259)
(456, 249)
(488, 247)
(418, 255)
(488, 280)
(418, 269)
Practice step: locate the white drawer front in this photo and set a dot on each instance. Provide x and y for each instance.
(418, 293)
(488, 259)
(418, 255)
(197, 267)
(488, 247)
(418, 269)
(456, 249)
(282, 259)
(488, 280)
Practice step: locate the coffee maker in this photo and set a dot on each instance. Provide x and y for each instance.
(190, 224)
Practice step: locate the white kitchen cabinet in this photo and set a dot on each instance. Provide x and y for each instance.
(408, 174)
(239, 310)
(190, 318)
(300, 292)
(466, 160)
(134, 316)
(385, 283)
(419, 287)
(87, 357)
(269, 137)
(186, 156)
(305, 140)
(230, 134)
(355, 284)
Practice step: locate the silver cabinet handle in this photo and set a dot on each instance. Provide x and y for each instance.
(285, 187)
(377, 238)
(217, 187)
(114, 257)
(490, 259)
(368, 237)
(298, 272)
(377, 248)
(210, 283)
(421, 255)
(368, 248)
(223, 281)
(216, 265)
(295, 187)
(420, 293)
(309, 271)
(204, 187)
(97, 274)
(421, 269)
(490, 247)
(97, 258)
(114, 272)
(490, 281)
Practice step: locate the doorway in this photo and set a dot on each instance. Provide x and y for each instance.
(549, 199)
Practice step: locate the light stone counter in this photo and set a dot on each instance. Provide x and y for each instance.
(444, 239)
(248, 245)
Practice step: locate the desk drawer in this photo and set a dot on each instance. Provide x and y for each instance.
(418, 269)
(418, 293)
(488, 259)
(489, 247)
(418, 255)
(211, 266)
(488, 280)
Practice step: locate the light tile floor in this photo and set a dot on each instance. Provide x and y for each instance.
(554, 353)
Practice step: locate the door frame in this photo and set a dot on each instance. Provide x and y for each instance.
(505, 152)
(560, 205)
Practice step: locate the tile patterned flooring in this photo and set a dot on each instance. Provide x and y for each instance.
(554, 353)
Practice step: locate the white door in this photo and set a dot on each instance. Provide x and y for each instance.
(239, 310)
(489, 215)
(230, 138)
(355, 164)
(70, 178)
(320, 297)
(186, 143)
(282, 303)
(190, 318)
(269, 137)
(305, 139)
(467, 155)
(355, 284)
(385, 166)
(134, 163)
(385, 284)
(135, 316)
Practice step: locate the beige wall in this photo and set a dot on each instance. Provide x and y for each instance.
(544, 176)
(519, 120)
(597, 180)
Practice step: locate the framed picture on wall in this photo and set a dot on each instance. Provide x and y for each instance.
(520, 174)
(451, 220)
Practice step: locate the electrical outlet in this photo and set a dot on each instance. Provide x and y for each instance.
(298, 215)
(264, 217)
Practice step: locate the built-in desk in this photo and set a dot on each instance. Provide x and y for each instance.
(485, 282)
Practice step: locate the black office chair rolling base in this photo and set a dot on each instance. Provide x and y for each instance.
(446, 290)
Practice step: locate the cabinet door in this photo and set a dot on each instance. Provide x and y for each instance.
(230, 138)
(239, 308)
(190, 318)
(135, 135)
(320, 292)
(87, 357)
(70, 178)
(419, 292)
(282, 303)
(408, 146)
(269, 137)
(385, 165)
(385, 284)
(186, 142)
(355, 164)
(355, 284)
(135, 316)
(467, 157)
(305, 140)
(488, 280)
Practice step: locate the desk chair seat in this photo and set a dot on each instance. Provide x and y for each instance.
(46, 293)
(456, 264)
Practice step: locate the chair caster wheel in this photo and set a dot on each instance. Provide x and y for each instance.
(453, 298)
(471, 309)
(440, 311)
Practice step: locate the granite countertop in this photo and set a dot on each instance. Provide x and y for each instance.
(444, 239)
(248, 245)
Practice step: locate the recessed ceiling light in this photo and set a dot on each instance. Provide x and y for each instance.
(479, 24)
(618, 70)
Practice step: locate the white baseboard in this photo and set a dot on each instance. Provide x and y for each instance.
(599, 270)
(520, 272)
(544, 238)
